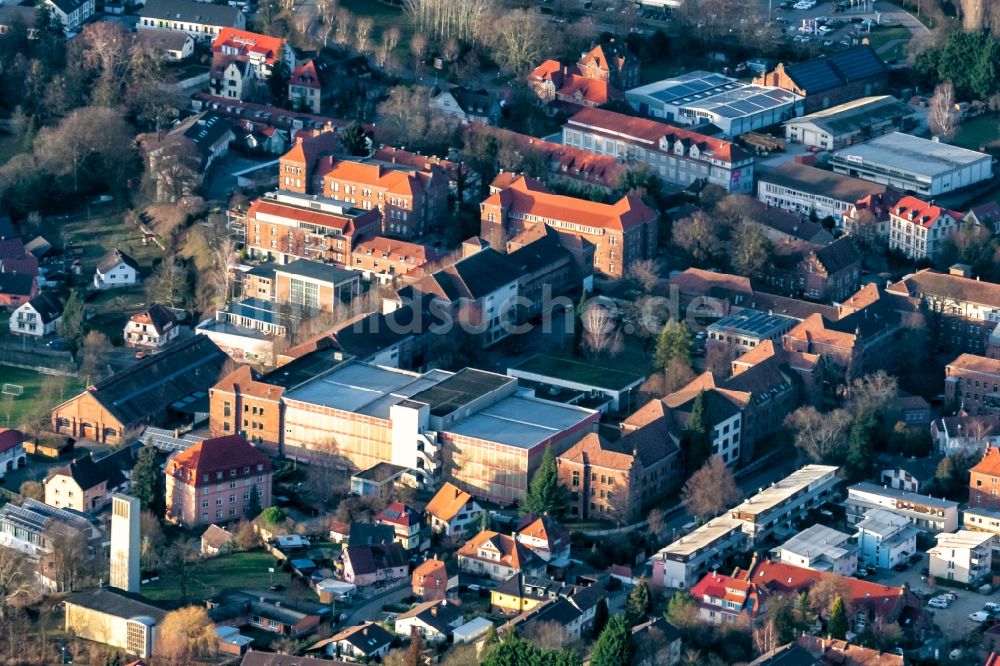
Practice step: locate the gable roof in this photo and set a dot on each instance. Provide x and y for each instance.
(511, 552)
(471, 278)
(367, 534)
(447, 502)
(176, 378)
(928, 282)
(818, 181)
(438, 614)
(990, 463)
(48, 306)
(366, 637)
(113, 258)
(117, 603)
(242, 43)
(9, 438)
(158, 316)
(370, 559)
(838, 255)
(925, 214)
(189, 12)
(89, 473)
(166, 40)
(254, 658)
(215, 536)
(17, 284)
(398, 513)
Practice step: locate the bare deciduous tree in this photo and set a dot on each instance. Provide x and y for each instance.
(820, 436)
(465, 20)
(765, 638)
(363, 33)
(941, 117)
(601, 334)
(518, 40)
(826, 589)
(710, 490)
(13, 576)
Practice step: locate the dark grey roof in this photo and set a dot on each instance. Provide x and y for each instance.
(658, 630)
(113, 258)
(264, 270)
(192, 12)
(368, 639)
(89, 473)
(380, 472)
(16, 283)
(166, 40)
(180, 373)
(838, 255)
(370, 559)
(819, 181)
(367, 534)
(117, 603)
(440, 615)
(759, 380)
(544, 252)
(838, 69)
(206, 131)
(473, 277)
(462, 388)
(271, 606)
(318, 271)
(48, 306)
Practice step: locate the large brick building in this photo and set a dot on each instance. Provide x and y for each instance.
(984, 481)
(162, 389)
(213, 481)
(972, 384)
(833, 78)
(678, 156)
(412, 195)
(281, 226)
(623, 232)
(918, 229)
(617, 480)
(961, 311)
(598, 77)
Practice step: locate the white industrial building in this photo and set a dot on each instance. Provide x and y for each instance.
(885, 539)
(804, 189)
(847, 124)
(911, 164)
(964, 557)
(820, 548)
(699, 98)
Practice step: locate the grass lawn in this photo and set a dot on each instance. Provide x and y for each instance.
(881, 36)
(385, 17)
(98, 235)
(240, 571)
(12, 409)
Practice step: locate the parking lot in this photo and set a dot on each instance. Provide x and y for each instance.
(953, 621)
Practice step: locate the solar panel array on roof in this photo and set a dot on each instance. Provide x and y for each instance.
(858, 63)
(829, 72)
(814, 75)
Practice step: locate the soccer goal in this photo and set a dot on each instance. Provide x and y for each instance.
(13, 390)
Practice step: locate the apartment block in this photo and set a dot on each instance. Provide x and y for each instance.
(928, 514)
(808, 190)
(678, 156)
(983, 520)
(284, 226)
(964, 557)
(686, 560)
(885, 539)
(742, 331)
(972, 384)
(623, 232)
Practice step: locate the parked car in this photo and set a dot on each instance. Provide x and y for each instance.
(950, 596)
(979, 616)
(991, 607)
(938, 602)
(58, 344)
(916, 557)
(902, 566)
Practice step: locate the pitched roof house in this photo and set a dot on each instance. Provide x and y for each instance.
(376, 563)
(361, 642)
(152, 328)
(433, 620)
(497, 556)
(85, 484)
(38, 316)
(430, 580)
(453, 510)
(116, 269)
(200, 21)
(545, 537)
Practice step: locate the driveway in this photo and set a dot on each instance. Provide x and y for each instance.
(953, 621)
(368, 610)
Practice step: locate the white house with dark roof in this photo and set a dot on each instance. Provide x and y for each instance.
(116, 269)
(364, 641)
(71, 13)
(39, 316)
(170, 44)
(433, 620)
(152, 328)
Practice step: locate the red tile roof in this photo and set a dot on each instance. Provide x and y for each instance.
(243, 43)
(447, 502)
(305, 75)
(219, 454)
(9, 439)
(345, 225)
(521, 197)
(650, 132)
(990, 464)
(920, 212)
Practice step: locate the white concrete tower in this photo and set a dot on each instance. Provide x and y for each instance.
(125, 547)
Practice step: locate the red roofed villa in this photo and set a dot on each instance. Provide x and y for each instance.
(917, 228)
(212, 481)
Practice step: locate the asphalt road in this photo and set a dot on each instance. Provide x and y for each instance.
(370, 608)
